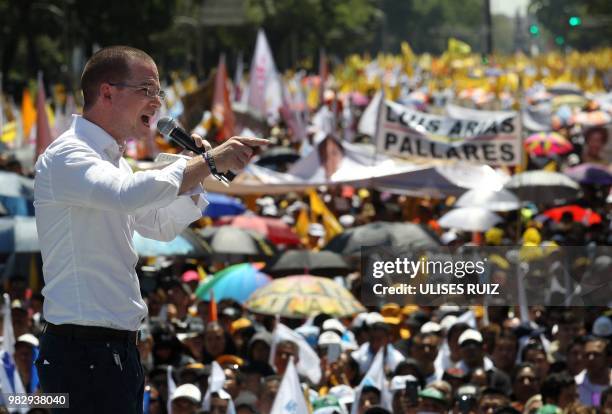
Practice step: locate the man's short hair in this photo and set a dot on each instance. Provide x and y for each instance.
(109, 64)
(553, 384)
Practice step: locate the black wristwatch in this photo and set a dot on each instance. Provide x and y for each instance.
(210, 161)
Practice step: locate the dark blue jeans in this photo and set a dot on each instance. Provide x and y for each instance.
(99, 376)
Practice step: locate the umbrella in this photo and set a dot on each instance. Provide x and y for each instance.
(584, 215)
(547, 143)
(592, 118)
(323, 263)
(236, 282)
(502, 200)
(232, 241)
(15, 185)
(275, 230)
(222, 205)
(186, 244)
(543, 186)
(589, 173)
(565, 89)
(303, 296)
(574, 101)
(400, 235)
(18, 234)
(469, 219)
(278, 155)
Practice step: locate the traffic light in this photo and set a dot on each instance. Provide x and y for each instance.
(560, 40)
(534, 30)
(574, 21)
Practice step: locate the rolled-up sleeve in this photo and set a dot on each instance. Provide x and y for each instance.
(166, 223)
(79, 176)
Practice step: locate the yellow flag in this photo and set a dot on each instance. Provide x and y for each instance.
(9, 131)
(456, 46)
(302, 223)
(318, 208)
(28, 113)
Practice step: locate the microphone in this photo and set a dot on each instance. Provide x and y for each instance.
(169, 128)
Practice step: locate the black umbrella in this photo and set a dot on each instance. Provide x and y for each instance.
(233, 241)
(543, 186)
(293, 262)
(382, 234)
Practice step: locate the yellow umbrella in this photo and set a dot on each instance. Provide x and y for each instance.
(303, 296)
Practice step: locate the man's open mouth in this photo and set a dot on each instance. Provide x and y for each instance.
(145, 120)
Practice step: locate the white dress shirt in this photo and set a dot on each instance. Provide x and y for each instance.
(88, 204)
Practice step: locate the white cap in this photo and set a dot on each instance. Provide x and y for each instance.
(270, 210)
(431, 327)
(328, 338)
(399, 382)
(188, 391)
(359, 320)
(333, 325)
(448, 321)
(28, 339)
(448, 237)
(346, 220)
(470, 335)
(265, 201)
(602, 326)
(344, 393)
(374, 317)
(316, 230)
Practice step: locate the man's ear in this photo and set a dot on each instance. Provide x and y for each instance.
(105, 93)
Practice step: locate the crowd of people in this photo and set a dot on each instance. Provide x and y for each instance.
(479, 359)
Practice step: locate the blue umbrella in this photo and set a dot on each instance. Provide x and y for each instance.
(222, 205)
(185, 244)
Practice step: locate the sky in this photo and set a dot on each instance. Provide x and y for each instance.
(509, 7)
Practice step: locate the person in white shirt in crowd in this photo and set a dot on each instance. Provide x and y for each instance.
(379, 337)
(88, 204)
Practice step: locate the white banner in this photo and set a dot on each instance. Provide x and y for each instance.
(492, 138)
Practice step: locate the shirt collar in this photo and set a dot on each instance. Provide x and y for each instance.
(100, 140)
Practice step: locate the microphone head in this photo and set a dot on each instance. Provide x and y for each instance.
(166, 125)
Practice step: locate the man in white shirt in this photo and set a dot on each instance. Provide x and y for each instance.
(88, 204)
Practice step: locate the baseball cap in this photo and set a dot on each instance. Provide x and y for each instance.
(333, 325)
(431, 327)
(602, 327)
(399, 382)
(432, 394)
(28, 339)
(470, 335)
(189, 392)
(316, 230)
(328, 338)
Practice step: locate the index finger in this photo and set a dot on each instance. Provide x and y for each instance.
(252, 141)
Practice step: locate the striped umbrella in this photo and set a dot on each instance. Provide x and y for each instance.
(234, 282)
(547, 143)
(303, 296)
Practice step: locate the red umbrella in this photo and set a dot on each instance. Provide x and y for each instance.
(584, 215)
(547, 143)
(275, 230)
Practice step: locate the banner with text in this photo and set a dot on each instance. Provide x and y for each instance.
(494, 139)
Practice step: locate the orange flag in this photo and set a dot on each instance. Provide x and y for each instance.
(28, 114)
(43, 129)
(212, 307)
(222, 108)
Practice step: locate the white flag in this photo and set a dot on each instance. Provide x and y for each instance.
(265, 92)
(375, 377)
(216, 381)
(309, 363)
(290, 397)
(367, 123)
(171, 388)
(10, 381)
